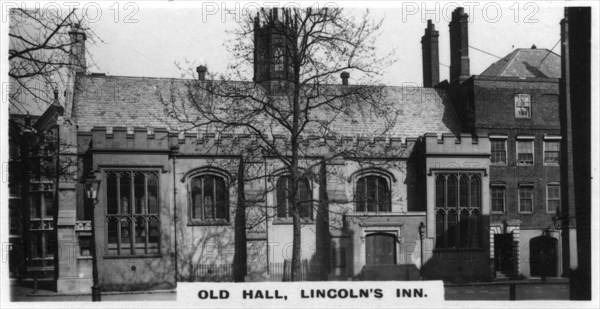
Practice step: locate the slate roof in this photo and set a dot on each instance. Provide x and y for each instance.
(528, 63)
(119, 101)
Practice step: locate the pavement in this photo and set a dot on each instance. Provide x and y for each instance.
(530, 289)
(21, 293)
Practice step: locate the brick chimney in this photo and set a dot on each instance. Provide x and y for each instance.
(431, 59)
(459, 44)
(345, 76)
(78, 49)
(201, 69)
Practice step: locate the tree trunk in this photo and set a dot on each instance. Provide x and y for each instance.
(296, 252)
(240, 267)
(322, 225)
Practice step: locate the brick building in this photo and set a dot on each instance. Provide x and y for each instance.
(515, 102)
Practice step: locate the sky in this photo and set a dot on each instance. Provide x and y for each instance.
(147, 39)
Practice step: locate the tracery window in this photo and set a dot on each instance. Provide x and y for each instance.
(132, 211)
(458, 210)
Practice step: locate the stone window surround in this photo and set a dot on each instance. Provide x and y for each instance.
(288, 219)
(106, 169)
(312, 186)
(472, 210)
(206, 170)
(372, 171)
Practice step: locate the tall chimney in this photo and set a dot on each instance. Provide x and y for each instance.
(56, 102)
(345, 76)
(78, 49)
(201, 72)
(431, 59)
(459, 44)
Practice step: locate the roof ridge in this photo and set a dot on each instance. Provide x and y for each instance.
(512, 55)
(96, 75)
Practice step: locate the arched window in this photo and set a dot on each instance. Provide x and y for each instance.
(373, 194)
(209, 198)
(284, 201)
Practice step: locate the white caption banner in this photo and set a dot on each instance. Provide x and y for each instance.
(343, 294)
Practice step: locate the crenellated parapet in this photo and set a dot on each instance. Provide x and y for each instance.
(141, 139)
(452, 145)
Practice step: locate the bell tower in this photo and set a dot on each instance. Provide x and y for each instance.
(274, 45)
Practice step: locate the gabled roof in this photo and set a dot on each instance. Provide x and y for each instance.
(528, 63)
(119, 101)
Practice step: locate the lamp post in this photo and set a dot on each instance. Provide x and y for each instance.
(92, 186)
(421, 233)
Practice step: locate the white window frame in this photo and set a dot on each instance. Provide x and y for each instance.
(500, 138)
(518, 97)
(531, 139)
(548, 185)
(532, 187)
(552, 139)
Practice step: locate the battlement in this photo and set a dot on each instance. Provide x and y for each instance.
(146, 139)
(463, 144)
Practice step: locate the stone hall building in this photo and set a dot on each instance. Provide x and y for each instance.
(462, 187)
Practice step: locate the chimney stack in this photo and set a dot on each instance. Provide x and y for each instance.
(56, 102)
(201, 72)
(431, 59)
(345, 76)
(78, 38)
(459, 44)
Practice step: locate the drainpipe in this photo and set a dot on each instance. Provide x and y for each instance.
(421, 234)
(174, 151)
(56, 199)
(267, 219)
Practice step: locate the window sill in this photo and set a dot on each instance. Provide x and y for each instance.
(289, 221)
(497, 212)
(209, 223)
(458, 250)
(374, 213)
(552, 164)
(140, 256)
(498, 164)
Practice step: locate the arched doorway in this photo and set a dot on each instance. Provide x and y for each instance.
(542, 256)
(380, 249)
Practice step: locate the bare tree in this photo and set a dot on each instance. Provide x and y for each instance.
(40, 53)
(295, 107)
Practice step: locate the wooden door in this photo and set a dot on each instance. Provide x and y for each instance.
(381, 249)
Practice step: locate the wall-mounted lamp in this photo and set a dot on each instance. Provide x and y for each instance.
(92, 187)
